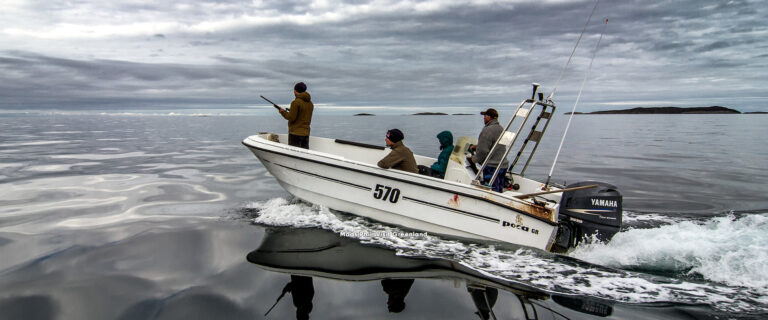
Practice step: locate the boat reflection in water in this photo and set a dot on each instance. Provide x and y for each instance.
(309, 253)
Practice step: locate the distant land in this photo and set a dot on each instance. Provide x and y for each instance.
(756, 112)
(668, 110)
(430, 114)
(365, 114)
(463, 114)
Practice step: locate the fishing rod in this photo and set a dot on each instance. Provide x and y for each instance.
(573, 111)
(562, 73)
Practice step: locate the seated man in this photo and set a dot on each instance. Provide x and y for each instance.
(400, 158)
(437, 169)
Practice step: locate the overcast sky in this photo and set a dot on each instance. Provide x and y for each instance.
(83, 54)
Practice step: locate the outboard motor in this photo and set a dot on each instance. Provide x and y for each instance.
(586, 212)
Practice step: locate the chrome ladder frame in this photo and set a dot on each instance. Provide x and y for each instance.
(524, 111)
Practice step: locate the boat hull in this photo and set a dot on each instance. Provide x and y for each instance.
(401, 198)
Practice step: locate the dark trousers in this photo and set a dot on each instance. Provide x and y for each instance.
(298, 141)
(427, 171)
(498, 184)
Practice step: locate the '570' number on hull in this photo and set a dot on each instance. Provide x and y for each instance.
(385, 193)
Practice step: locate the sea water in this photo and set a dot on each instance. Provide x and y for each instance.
(136, 216)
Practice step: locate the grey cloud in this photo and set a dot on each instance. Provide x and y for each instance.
(391, 58)
(230, 60)
(54, 81)
(665, 46)
(714, 46)
(721, 63)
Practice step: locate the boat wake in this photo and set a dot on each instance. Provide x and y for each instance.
(729, 249)
(616, 271)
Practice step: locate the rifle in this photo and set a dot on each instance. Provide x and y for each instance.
(273, 104)
(288, 288)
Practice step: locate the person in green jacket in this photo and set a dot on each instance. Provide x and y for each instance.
(437, 169)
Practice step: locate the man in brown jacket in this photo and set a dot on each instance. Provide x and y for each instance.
(299, 116)
(400, 158)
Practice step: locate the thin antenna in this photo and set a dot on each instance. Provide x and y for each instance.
(562, 73)
(578, 97)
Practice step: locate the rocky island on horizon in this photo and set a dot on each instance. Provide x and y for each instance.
(430, 114)
(668, 110)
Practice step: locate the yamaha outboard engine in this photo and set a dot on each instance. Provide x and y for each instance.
(586, 212)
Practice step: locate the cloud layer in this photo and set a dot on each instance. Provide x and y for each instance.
(94, 54)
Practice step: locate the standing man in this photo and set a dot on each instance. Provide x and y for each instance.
(299, 116)
(400, 158)
(488, 136)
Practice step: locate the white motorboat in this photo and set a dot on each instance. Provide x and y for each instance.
(343, 175)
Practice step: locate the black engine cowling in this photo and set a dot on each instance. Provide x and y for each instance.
(587, 212)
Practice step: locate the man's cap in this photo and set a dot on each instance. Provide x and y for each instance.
(395, 135)
(300, 87)
(491, 112)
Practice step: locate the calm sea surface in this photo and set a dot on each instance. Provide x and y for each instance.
(171, 217)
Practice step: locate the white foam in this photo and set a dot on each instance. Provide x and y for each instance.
(728, 250)
(630, 217)
(527, 266)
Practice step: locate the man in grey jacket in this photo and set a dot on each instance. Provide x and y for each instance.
(488, 137)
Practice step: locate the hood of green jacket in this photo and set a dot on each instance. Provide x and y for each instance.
(445, 138)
